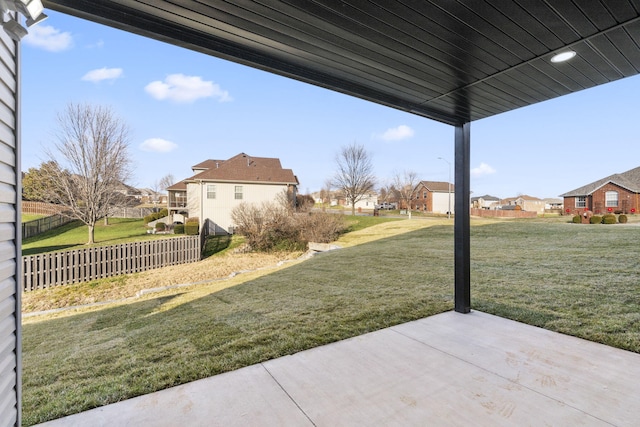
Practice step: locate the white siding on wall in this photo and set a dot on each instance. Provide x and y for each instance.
(218, 210)
(193, 200)
(534, 206)
(441, 202)
(9, 237)
(367, 202)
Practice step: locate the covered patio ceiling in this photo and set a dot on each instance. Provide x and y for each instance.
(450, 61)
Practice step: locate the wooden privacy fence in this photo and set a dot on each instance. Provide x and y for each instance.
(41, 208)
(61, 268)
(40, 225)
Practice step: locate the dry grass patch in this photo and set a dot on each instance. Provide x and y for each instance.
(388, 229)
(127, 286)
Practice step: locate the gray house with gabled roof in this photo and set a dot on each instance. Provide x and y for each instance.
(617, 193)
(218, 186)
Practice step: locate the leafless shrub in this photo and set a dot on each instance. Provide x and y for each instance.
(304, 203)
(271, 226)
(266, 227)
(320, 227)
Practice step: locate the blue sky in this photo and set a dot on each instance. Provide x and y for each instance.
(185, 107)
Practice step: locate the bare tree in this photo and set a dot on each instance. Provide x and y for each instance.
(91, 162)
(387, 192)
(354, 175)
(325, 194)
(404, 184)
(166, 181)
(159, 187)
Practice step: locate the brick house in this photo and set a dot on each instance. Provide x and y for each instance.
(617, 193)
(433, 197)
(218, 186)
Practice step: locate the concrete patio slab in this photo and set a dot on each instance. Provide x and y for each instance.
(446, 370)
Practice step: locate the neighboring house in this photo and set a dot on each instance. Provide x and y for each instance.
(525, 203)
(333, 198)
(368, 201)
(149, 196)
(434, 197)
(128, 191)
(552, 204)
(485, 202)
(618, 193)
(218, 186)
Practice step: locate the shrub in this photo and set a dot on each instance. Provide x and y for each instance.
(321, 227)
(271, 226)
(192, 220)
(178, 229)
(161, 226)
(191, 228)
(596, 219)
(622, 219)
(609, 219)
(304, 202)
(267, 227)
(156, 215)
(577, 219)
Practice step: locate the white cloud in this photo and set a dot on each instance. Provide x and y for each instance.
(101, 74)
(181, 88)
(483, 169)
(397, 134)
(158, 145)
(48, 38)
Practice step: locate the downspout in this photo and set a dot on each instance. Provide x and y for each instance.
(200, 218)
(18, 233)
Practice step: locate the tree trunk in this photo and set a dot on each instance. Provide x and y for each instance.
(91, 234)
(106, 220)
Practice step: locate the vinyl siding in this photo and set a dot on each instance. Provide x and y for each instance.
(441, 202)
(218, 210)
(9, 236)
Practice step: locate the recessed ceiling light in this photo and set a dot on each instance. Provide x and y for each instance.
(563, 56)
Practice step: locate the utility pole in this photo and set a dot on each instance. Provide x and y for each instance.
(449, 182)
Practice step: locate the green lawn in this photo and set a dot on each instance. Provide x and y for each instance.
(75, 235)
(576, 279)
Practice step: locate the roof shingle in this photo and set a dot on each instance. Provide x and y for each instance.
(629, 180)
(245, 168)
(437, 186)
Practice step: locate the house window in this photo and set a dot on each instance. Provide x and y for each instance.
(211, 191)
(581, 202)
(238, 192)
(424, 195)
(611, 199)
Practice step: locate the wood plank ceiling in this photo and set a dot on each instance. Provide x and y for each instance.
(451, 61)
